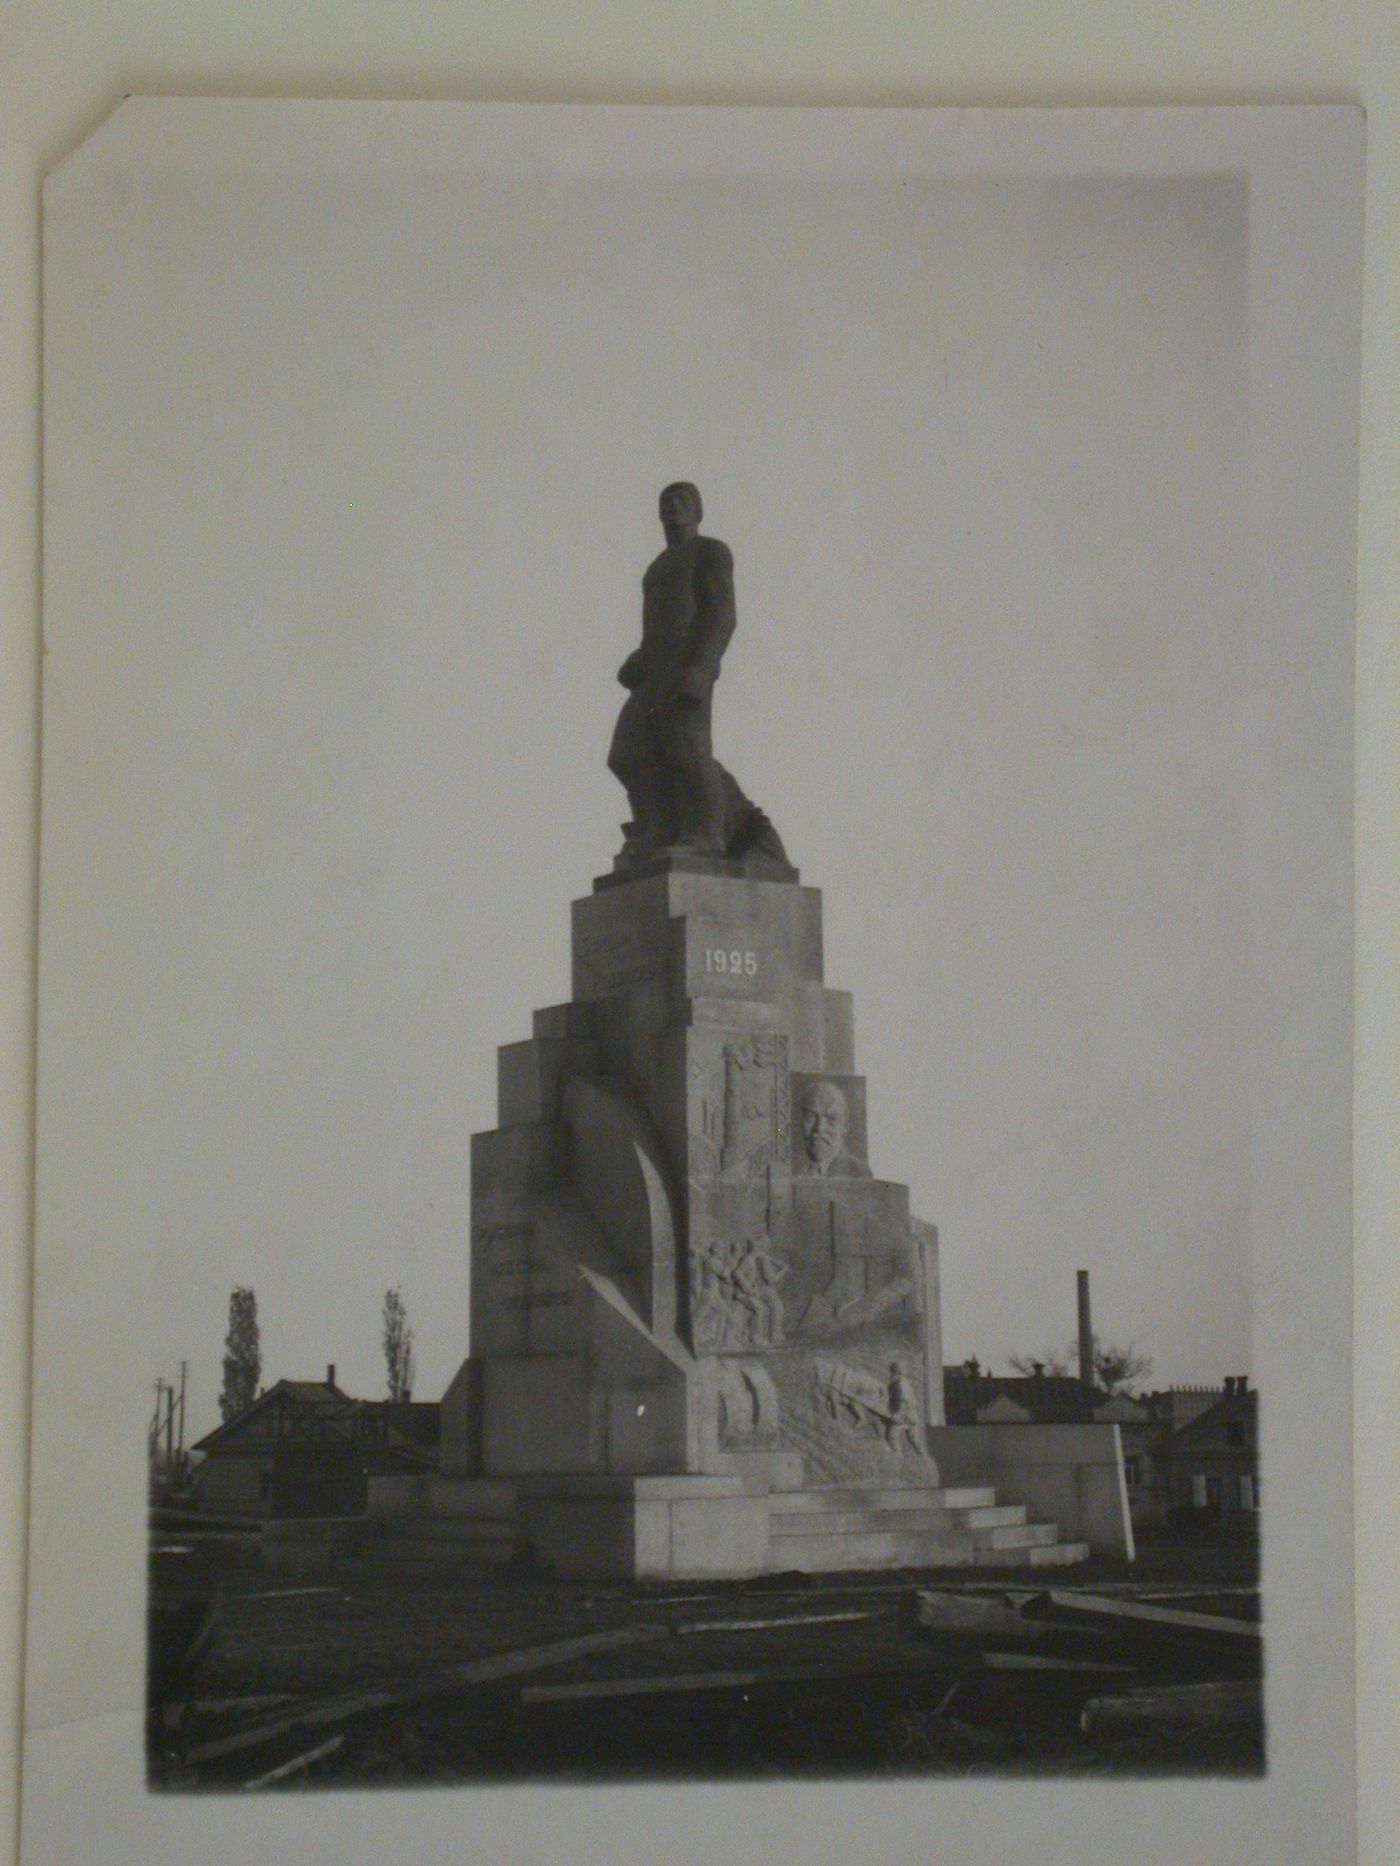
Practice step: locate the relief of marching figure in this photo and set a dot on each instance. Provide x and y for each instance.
(888, 1407)
(734, 1297)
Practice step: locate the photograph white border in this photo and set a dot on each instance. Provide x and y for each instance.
(1305, 268)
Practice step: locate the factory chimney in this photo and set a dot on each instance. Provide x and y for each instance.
(1086, 1332)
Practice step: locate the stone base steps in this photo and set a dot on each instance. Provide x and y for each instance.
(816, 1531)
(845, 1527)
(1047, 1555)
(879, 1497)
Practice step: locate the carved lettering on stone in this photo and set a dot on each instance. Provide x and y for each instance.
(614, 960)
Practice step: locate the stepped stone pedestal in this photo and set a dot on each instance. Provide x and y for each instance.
(690, 1293)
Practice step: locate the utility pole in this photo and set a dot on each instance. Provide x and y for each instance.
(170, 1431)
(184, 1369)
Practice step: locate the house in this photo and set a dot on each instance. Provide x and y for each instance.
(1144, 1426)
(1214, 1458)
(972, 1397)
(305, 1448)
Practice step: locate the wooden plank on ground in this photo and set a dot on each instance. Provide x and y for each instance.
(1240, 1702)
(435, 1684)
(751, 1678)
(295, 1765)
(1044, 1662)
(219, 1707)
(1139, 1613)
(285, 1593)
(787, 1619)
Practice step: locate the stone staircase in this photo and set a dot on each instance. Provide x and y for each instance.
(813, 1531)
(855, 1527)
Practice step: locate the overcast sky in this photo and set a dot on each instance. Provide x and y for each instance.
(352, 480)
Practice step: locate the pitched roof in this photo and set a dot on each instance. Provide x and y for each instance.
(1048, 1399)
(1206, 1424)
(314, 1393)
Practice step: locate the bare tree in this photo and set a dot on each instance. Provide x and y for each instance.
(1116, 1368)
(1054, 1364)
(398, 1346)
(242, 1355)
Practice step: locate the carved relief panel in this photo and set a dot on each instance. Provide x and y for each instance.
(738, 1105)
(852, 1260)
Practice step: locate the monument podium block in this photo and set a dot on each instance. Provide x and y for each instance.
(682, 1262)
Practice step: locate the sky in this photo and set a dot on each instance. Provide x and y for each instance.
(351, 482)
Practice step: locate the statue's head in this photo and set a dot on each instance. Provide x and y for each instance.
(824, 1121)
(679, 505)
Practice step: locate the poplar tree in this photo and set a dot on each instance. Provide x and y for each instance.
(398, 1347)
(242, 1355)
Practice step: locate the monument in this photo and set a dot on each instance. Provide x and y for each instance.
(705, 1334)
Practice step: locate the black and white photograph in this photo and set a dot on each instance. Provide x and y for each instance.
(695, 990)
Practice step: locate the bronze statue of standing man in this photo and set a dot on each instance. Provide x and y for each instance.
(681, 797)
(661, 747)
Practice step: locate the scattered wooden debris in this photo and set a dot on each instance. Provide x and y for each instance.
(1044, 1662)
(435, 1684)
(222, 1707)
(788, 1619)
(652, 1687)
(983, 1617)
(1240, 1702)
(761, 1677)
(944, 1612)
(297, 1763)
(285, 1593)
(1141, 1614)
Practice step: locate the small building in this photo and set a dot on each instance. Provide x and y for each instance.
(1144, 1425)
(1214, 1458)
(972, 1397)
(305, 1448)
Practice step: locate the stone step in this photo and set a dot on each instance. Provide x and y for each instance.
(990, 1515)
(928, 1521)
(877, 1497)
(1046, 1555)
(900, 1548)
(911, 1548)
(1021, 1535)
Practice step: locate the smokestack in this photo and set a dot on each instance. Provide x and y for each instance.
(330, 1373)
(1086, 1331)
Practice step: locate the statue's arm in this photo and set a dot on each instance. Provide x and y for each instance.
(714, 617)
